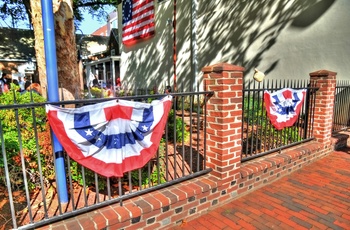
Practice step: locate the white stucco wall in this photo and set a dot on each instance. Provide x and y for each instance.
(285, 39)
(324, 44)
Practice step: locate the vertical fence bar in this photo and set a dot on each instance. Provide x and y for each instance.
(174, 138)
(166, 152)
(120, 189)
(274, 134)
(249, 113)
(158, 168)
(258, 117)
(198, 129)
(285, 139)
(70, 182)
(7, 176)
(24, 172)
(97, 188)
(39, 160)
(109, 188)
(206, 98)
(252, 117)
(307, 113)
(267, 141)
(183, 136)
(140, 178)
(191, 135)
(149, 173)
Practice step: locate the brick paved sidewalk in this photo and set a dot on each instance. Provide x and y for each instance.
(315, 197)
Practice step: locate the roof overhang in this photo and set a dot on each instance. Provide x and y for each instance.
(102, 60)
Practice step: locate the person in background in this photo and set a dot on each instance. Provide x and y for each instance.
(21, 83)
(95, 83)
(27, 83)
(118, 83)
(35, 87)
(4, 83)
(167, 89)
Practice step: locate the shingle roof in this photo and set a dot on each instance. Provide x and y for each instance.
(16, 44)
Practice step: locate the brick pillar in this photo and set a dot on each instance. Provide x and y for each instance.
(323, 121)
(224, 120)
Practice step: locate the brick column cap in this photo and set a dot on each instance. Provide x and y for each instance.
(222, 67)
(322, 73)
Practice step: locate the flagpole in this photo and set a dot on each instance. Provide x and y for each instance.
(174, 46)
(53, 96)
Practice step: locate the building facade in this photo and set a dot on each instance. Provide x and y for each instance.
(283, 39)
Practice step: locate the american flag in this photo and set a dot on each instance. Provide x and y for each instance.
(111, 137)
(138, 20)
(283, 106)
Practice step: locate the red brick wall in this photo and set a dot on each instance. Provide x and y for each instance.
(229, 179)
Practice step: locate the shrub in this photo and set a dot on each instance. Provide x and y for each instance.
(176, 124)
(156, 174)
(23, 139)
(89, 176)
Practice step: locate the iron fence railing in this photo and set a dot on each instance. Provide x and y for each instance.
(341, 112)
(27, 176)
(259, 137)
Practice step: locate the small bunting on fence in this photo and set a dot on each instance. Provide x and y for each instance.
(283, 106)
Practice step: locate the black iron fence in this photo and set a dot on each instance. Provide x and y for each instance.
(341, 114)
(28, 189)
(259, 136)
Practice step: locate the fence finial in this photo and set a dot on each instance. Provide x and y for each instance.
(258, 75)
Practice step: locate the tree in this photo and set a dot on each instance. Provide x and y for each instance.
(65, 11)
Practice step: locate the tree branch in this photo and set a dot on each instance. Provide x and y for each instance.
(102, 3)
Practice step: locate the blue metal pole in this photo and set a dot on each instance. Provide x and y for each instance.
(52, 86)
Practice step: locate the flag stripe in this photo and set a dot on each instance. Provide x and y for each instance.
(145, 21)
(139, 35)
(138, 20)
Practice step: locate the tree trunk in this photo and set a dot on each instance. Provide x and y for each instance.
(39, 43)
(66, 51)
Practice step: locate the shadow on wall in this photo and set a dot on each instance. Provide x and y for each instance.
(241, 32)
(311, 14)
(236, 31)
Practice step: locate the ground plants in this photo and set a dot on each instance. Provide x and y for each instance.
(19, 140)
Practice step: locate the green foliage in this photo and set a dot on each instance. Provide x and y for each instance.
(156, 174)
(97, 92)
(29, 153)
(77, 176)
(254, 111)
(195, 104)
(17, 12)
(176, 124)
(14, 11)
